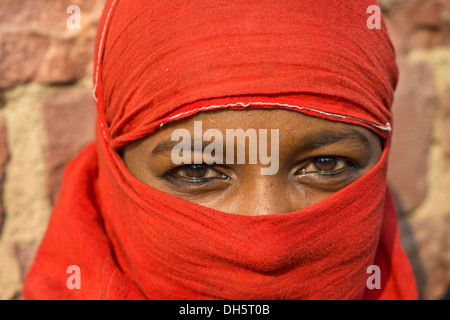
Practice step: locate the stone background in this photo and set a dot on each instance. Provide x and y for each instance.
(47, 115)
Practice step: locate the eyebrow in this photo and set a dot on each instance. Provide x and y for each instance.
(168, 145)
(315, 141)
(312, 141)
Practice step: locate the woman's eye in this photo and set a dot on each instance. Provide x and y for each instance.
(194, 172)
(197, 172)
(325, 165)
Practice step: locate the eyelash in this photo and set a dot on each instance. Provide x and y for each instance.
(170, 175)
(351, 165)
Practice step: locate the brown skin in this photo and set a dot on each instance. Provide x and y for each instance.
(317, 158)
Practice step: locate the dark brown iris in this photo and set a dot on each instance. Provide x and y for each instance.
(196, 171)
(325, 164)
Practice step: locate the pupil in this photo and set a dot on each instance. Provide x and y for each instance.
(325, 164)
(196, 171)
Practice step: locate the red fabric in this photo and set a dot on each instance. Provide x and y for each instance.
(163, 56)
(158, 61)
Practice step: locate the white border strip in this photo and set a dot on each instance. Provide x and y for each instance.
(386, 127)
(100, 49)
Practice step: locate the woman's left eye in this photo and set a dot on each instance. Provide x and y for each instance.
(325, 165)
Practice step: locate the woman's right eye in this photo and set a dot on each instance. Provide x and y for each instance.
(196, 173)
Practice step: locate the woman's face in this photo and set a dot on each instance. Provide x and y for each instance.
(305, 159)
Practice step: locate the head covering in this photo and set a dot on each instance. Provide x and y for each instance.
(159, 61)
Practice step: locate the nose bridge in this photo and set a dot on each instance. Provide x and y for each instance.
(265, 195)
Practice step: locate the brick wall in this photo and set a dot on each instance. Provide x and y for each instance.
(47, 115)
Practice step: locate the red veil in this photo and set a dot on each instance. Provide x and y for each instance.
(159, 61)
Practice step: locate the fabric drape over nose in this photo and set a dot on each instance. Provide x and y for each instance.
(159, 61)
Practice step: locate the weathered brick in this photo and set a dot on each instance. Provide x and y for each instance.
(43, 15)
(417, 23)
(414, 109)
(35, 44)
(4, 156)
(69, 116)
(20, 57)
(426, 241)
(446, 138)
(24, 255)
(66, 61)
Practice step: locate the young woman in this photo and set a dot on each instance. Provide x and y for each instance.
(241, 153)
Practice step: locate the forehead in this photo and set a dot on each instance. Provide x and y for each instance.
(292, 123)
(294, 128)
